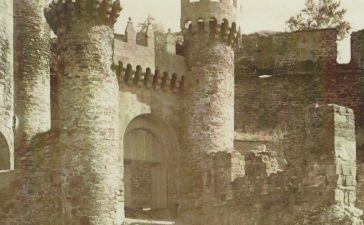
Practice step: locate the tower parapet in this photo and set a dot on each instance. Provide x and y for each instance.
(196, 11)
(89, 111)
(61, 15)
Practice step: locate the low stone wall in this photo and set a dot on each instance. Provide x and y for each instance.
(316, 187)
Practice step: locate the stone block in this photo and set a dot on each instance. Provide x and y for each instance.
(339, 196)
(352, 197)
(350, 180)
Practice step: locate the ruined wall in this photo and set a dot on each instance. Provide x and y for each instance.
(317, 187)
(32, 48)
(303, 70)
(267, 107)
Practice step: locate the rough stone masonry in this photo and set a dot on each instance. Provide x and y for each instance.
(203, 126)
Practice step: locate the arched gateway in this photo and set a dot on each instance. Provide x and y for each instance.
(150, 167)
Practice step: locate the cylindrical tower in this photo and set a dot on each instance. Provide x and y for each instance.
(32, 71)
(209, 31)
(6, 85)
(88, 110)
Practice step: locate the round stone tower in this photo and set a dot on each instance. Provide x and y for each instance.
(88, 110)
(32, 71)
(210, 31)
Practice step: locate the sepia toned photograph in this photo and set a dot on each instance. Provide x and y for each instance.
(181, 112)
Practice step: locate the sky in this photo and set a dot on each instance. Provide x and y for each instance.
(257, 15)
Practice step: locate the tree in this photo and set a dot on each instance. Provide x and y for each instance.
(321, 14)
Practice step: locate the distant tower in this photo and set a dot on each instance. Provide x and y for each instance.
(32, 71)
(88, 111)
(210, 31)
(6, 86)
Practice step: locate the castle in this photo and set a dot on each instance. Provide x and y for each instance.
(223, 128)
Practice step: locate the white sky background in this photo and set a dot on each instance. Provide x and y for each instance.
(257, 15)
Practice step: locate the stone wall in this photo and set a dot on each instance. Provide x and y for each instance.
(156, 51)
(6, 86)
(317, 187)
(268, 105)
(166, 56)
(286, 53)
(130, 49)
(161, 108)
(357, 49)
(34, 190)
(32, 71)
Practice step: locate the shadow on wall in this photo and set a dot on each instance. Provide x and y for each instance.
(4, 153)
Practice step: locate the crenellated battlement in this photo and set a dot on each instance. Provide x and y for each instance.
(220, 10)
(143, 37)
(62, 14)
(285, 53)
(155, 125)
(212, 30)
(146, 78)
(299, 52)
(234, 3)
(135, 47)
(169, 42)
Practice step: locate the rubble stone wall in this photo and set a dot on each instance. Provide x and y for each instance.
(285, 53)
(32, 74)
(317, 187)
(6, 86)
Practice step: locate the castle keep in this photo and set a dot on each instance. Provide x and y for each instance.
(222, 128)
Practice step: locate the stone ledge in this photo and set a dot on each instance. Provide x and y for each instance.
(129, 221)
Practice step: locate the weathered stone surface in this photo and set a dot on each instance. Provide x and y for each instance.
(6, 86)
(160, 130)
(32, 72)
